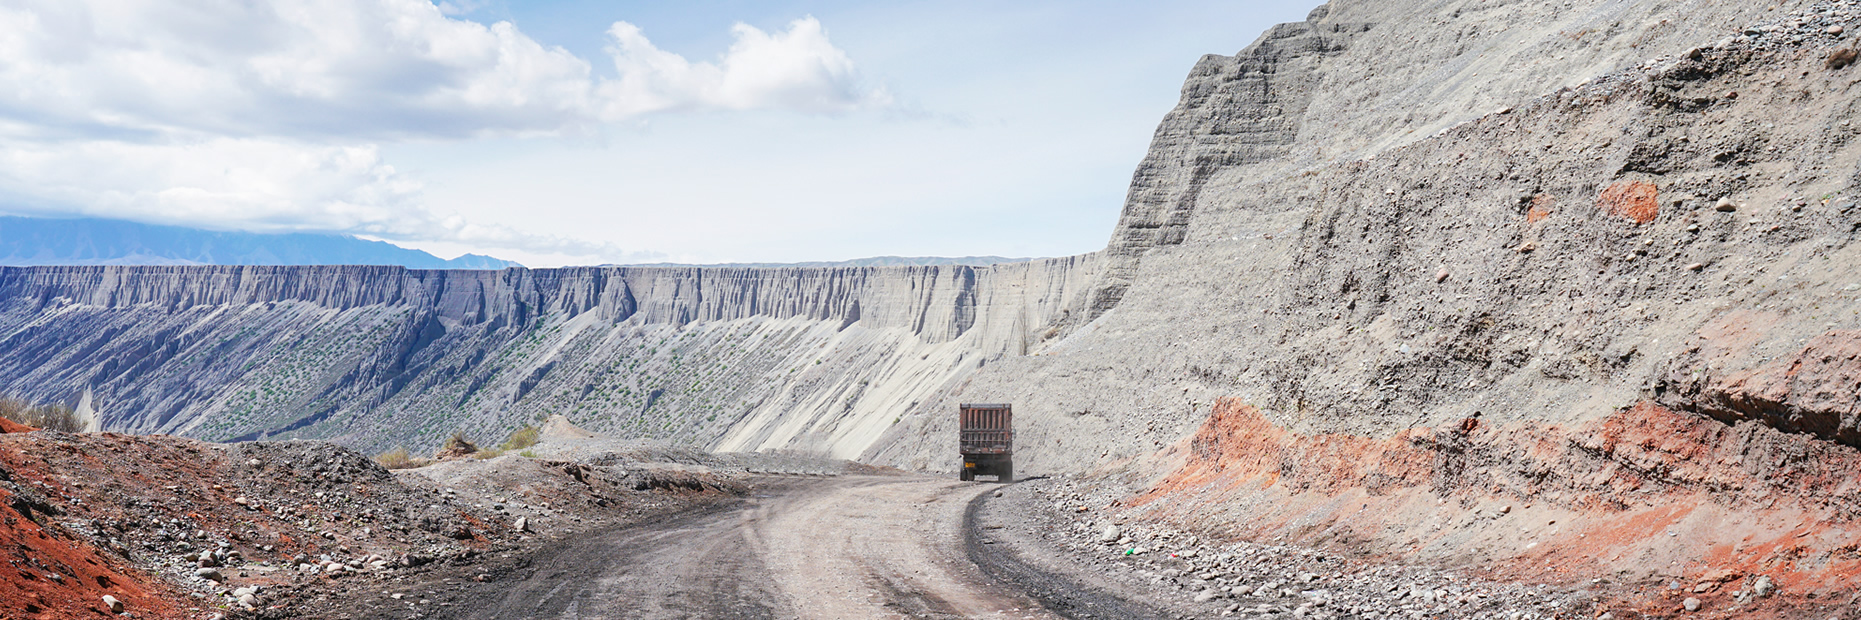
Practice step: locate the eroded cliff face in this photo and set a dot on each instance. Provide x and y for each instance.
(1596, 259)
(1400, 214)
(1358, 78)
(743, 359)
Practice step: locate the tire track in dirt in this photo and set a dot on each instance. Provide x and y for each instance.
(843, 547)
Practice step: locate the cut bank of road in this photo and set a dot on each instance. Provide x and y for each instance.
(843, 547)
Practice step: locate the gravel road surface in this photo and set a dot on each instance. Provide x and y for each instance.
(798, 547)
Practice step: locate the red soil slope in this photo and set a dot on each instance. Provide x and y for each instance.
(51, 573)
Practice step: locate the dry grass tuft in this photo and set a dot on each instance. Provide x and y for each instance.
(521, 439)
(398, 458)
(457, 447)
(49, 417)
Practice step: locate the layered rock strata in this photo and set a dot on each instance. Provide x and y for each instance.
(819, 359)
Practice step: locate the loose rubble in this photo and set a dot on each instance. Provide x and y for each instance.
(1075, 522)
(1196, 576)
(310, 529)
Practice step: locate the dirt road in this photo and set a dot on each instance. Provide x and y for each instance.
(845, 547)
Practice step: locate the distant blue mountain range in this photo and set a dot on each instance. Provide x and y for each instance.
(36, 241)
(876, 261)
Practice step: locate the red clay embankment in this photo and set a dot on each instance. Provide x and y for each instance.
(1642, 499)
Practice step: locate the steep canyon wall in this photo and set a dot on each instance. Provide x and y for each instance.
(1549, 289)
(745, 359)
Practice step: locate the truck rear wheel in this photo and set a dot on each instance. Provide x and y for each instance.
(965, 475)
(1007, 473)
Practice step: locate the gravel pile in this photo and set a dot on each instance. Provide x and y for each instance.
(310, 529)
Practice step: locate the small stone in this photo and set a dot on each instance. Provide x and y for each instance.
(998, 493)
(209, 574)
(1109, 534)
(1691, 604)
(1441, 276)
(523, 524)
(1763, 586)
(116, 606)
(248, 601)
(1505, 510)
(1840, 58)
(1833, 30)
(1241, 590)
(1207, 595)
(1696, 266)
(1725, 206)
(397, 596)
(1606, 616)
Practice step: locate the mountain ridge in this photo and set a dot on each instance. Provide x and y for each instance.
(873, 261)
(28, 241)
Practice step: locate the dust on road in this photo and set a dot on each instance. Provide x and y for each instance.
(844, 547)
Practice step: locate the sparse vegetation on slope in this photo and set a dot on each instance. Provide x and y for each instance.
(49, 417)
(520, 439)
(398, 458)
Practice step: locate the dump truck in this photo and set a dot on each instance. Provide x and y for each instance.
(986, 437)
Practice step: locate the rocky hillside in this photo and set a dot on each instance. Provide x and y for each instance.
(1565, 212)
(374, 357)
(1566, 292)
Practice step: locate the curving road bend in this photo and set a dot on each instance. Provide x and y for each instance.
(845, 547)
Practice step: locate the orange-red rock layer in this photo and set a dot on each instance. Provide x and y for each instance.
(1642, 498)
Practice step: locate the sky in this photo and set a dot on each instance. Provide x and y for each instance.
(583, 132)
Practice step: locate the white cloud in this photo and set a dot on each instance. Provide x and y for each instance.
(266, 115)
(247, 184)
(262, 185)
(312, 69)
(460, 7)
(797, 69)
